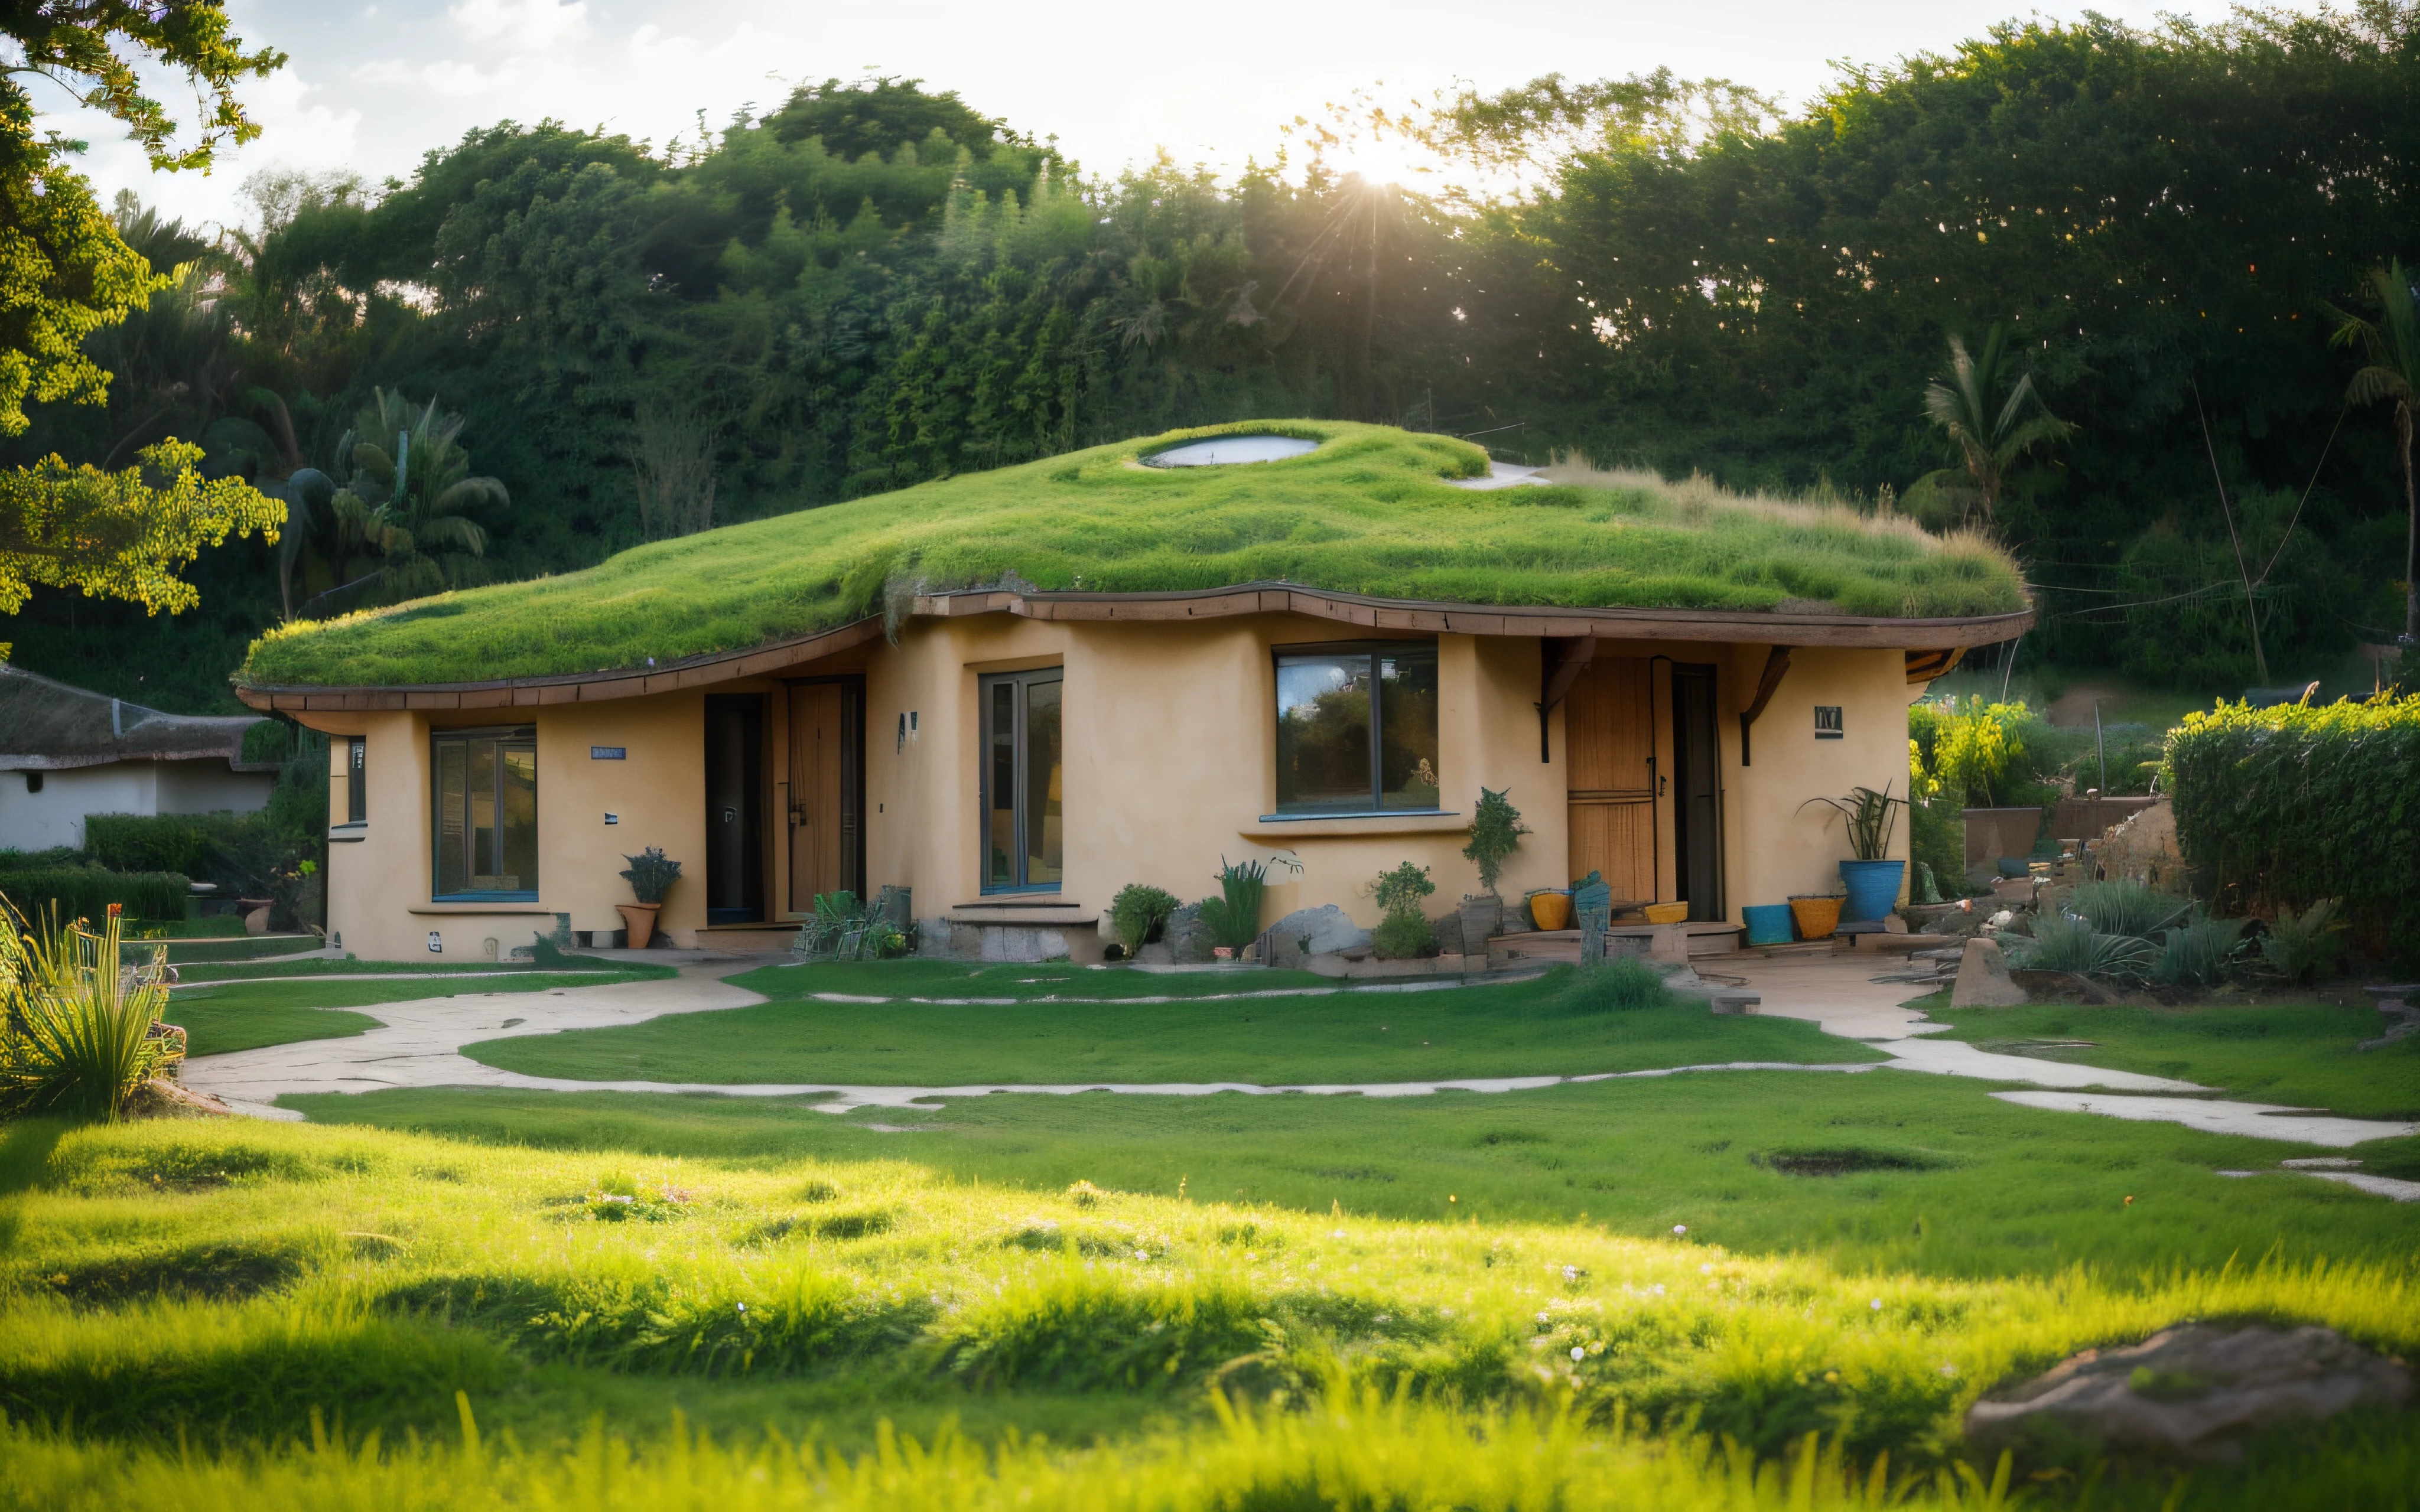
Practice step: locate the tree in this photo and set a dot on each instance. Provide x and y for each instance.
(400, 527)
(1993, 417)
(2391, 347)
(65, 272)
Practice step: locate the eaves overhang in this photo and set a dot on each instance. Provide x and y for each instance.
(1359, 610)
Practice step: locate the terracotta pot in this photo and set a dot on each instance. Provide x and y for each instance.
(639, 919)
(1552, 910)
(1817, 917)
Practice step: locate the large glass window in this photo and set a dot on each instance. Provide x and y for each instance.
(1024, 823)
(1358, 728)
(487, 813)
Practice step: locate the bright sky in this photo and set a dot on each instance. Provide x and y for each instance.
(372, 87)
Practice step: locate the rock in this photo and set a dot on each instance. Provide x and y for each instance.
(1188, 938)
(1670, 942)
(1893, 924)
(2185, 1392)
(1983, 979)
(1327, 929)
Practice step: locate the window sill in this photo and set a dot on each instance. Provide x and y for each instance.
(348, 834)
(500, 906)
(1313, 827)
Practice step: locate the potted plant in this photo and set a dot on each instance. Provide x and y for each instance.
(1233, 918)
(1495, 831)
(1872, 878)
(650, 876)
(1139, 914)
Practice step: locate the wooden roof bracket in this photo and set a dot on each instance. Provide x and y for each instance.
(1555, 675)
(1776, 665)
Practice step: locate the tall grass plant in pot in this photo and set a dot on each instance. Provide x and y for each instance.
(1872, 878)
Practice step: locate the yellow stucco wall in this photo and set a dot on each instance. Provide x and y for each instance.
(1171, 764)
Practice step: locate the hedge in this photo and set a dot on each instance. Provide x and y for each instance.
(150, 842)
(86, 892)
(2284, 806)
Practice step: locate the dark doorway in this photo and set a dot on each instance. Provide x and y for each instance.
(734, 808)
(1698, 801)
(826, 799)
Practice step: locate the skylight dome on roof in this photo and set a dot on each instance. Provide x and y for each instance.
(1221, 451)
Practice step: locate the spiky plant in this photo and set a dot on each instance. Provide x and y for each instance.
(78, 1038)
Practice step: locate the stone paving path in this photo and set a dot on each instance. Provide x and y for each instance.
(421, 1042)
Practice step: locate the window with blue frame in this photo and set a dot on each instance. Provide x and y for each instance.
(485, 839)
(1358, 728)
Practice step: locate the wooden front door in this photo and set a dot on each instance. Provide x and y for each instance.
(1609, 730)
(826, 790)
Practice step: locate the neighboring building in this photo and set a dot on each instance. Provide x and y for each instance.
(1015, 755)
(65, 752)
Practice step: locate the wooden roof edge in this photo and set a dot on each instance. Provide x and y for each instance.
(1525, 619)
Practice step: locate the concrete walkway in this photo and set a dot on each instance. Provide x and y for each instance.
(420, 1044)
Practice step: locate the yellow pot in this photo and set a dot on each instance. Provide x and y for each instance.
(1817, 917)
(1667, 913)
(1552, 910)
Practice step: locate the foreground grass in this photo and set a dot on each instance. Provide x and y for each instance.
(1369, 512)
(1930, 1173)
(1555, 1025)
(1364, 1451)
(246, 1015)
(223, 1282)
(2300, 1055)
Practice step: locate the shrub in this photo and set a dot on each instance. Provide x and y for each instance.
(2286, 806)
(87, 892)
(1139, 912)
(77, 1039)
(1233, 919)
(2127, 907)
(842, 928)
(1495, 831)
(2201, 953)
(1403, 888)
(2062, 944)
(1972, 753)
(1936, 842)
(1405, 934)
(153, 842)
(2299, 947)
(1623, 986)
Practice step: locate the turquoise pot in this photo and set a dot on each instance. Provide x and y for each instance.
(1873, 890)
(1767, 923)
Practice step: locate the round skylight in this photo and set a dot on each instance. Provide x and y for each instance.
(1222, 451)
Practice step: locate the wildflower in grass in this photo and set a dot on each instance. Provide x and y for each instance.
(1878, 1304)
(1680, 1228)
(1579, 1353)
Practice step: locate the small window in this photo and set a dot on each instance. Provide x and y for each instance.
(1023, 773)
(357, 798)
(486, 837)
(1358, 728)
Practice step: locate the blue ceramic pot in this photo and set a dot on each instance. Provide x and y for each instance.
(1767, 923)
(1873, 889)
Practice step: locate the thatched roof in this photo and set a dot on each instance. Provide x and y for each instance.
(47, 725)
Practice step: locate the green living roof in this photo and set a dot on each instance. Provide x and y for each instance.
(1370, 511)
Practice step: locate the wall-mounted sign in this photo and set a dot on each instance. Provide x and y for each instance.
(608, 753)
(612, 818)
(436, 943)
(1827, 722)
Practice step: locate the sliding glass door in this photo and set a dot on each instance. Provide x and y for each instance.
(1022, 811)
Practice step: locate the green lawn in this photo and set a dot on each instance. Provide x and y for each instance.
(265, 970)
(1557, 1025)
(1369, 512)
(182, 1290)
(245, 1015)
(1934, 1174)
(2299, 1055)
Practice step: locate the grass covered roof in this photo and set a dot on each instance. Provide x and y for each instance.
(1369, 512)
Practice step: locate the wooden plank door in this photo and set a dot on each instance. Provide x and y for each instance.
(1608, 725)
(820, 846)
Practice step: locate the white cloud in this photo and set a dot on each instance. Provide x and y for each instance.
(386, 71)
(523, 25)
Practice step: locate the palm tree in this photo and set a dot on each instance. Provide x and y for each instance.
(1992, 414)
(401, 525)
(2392, 372)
